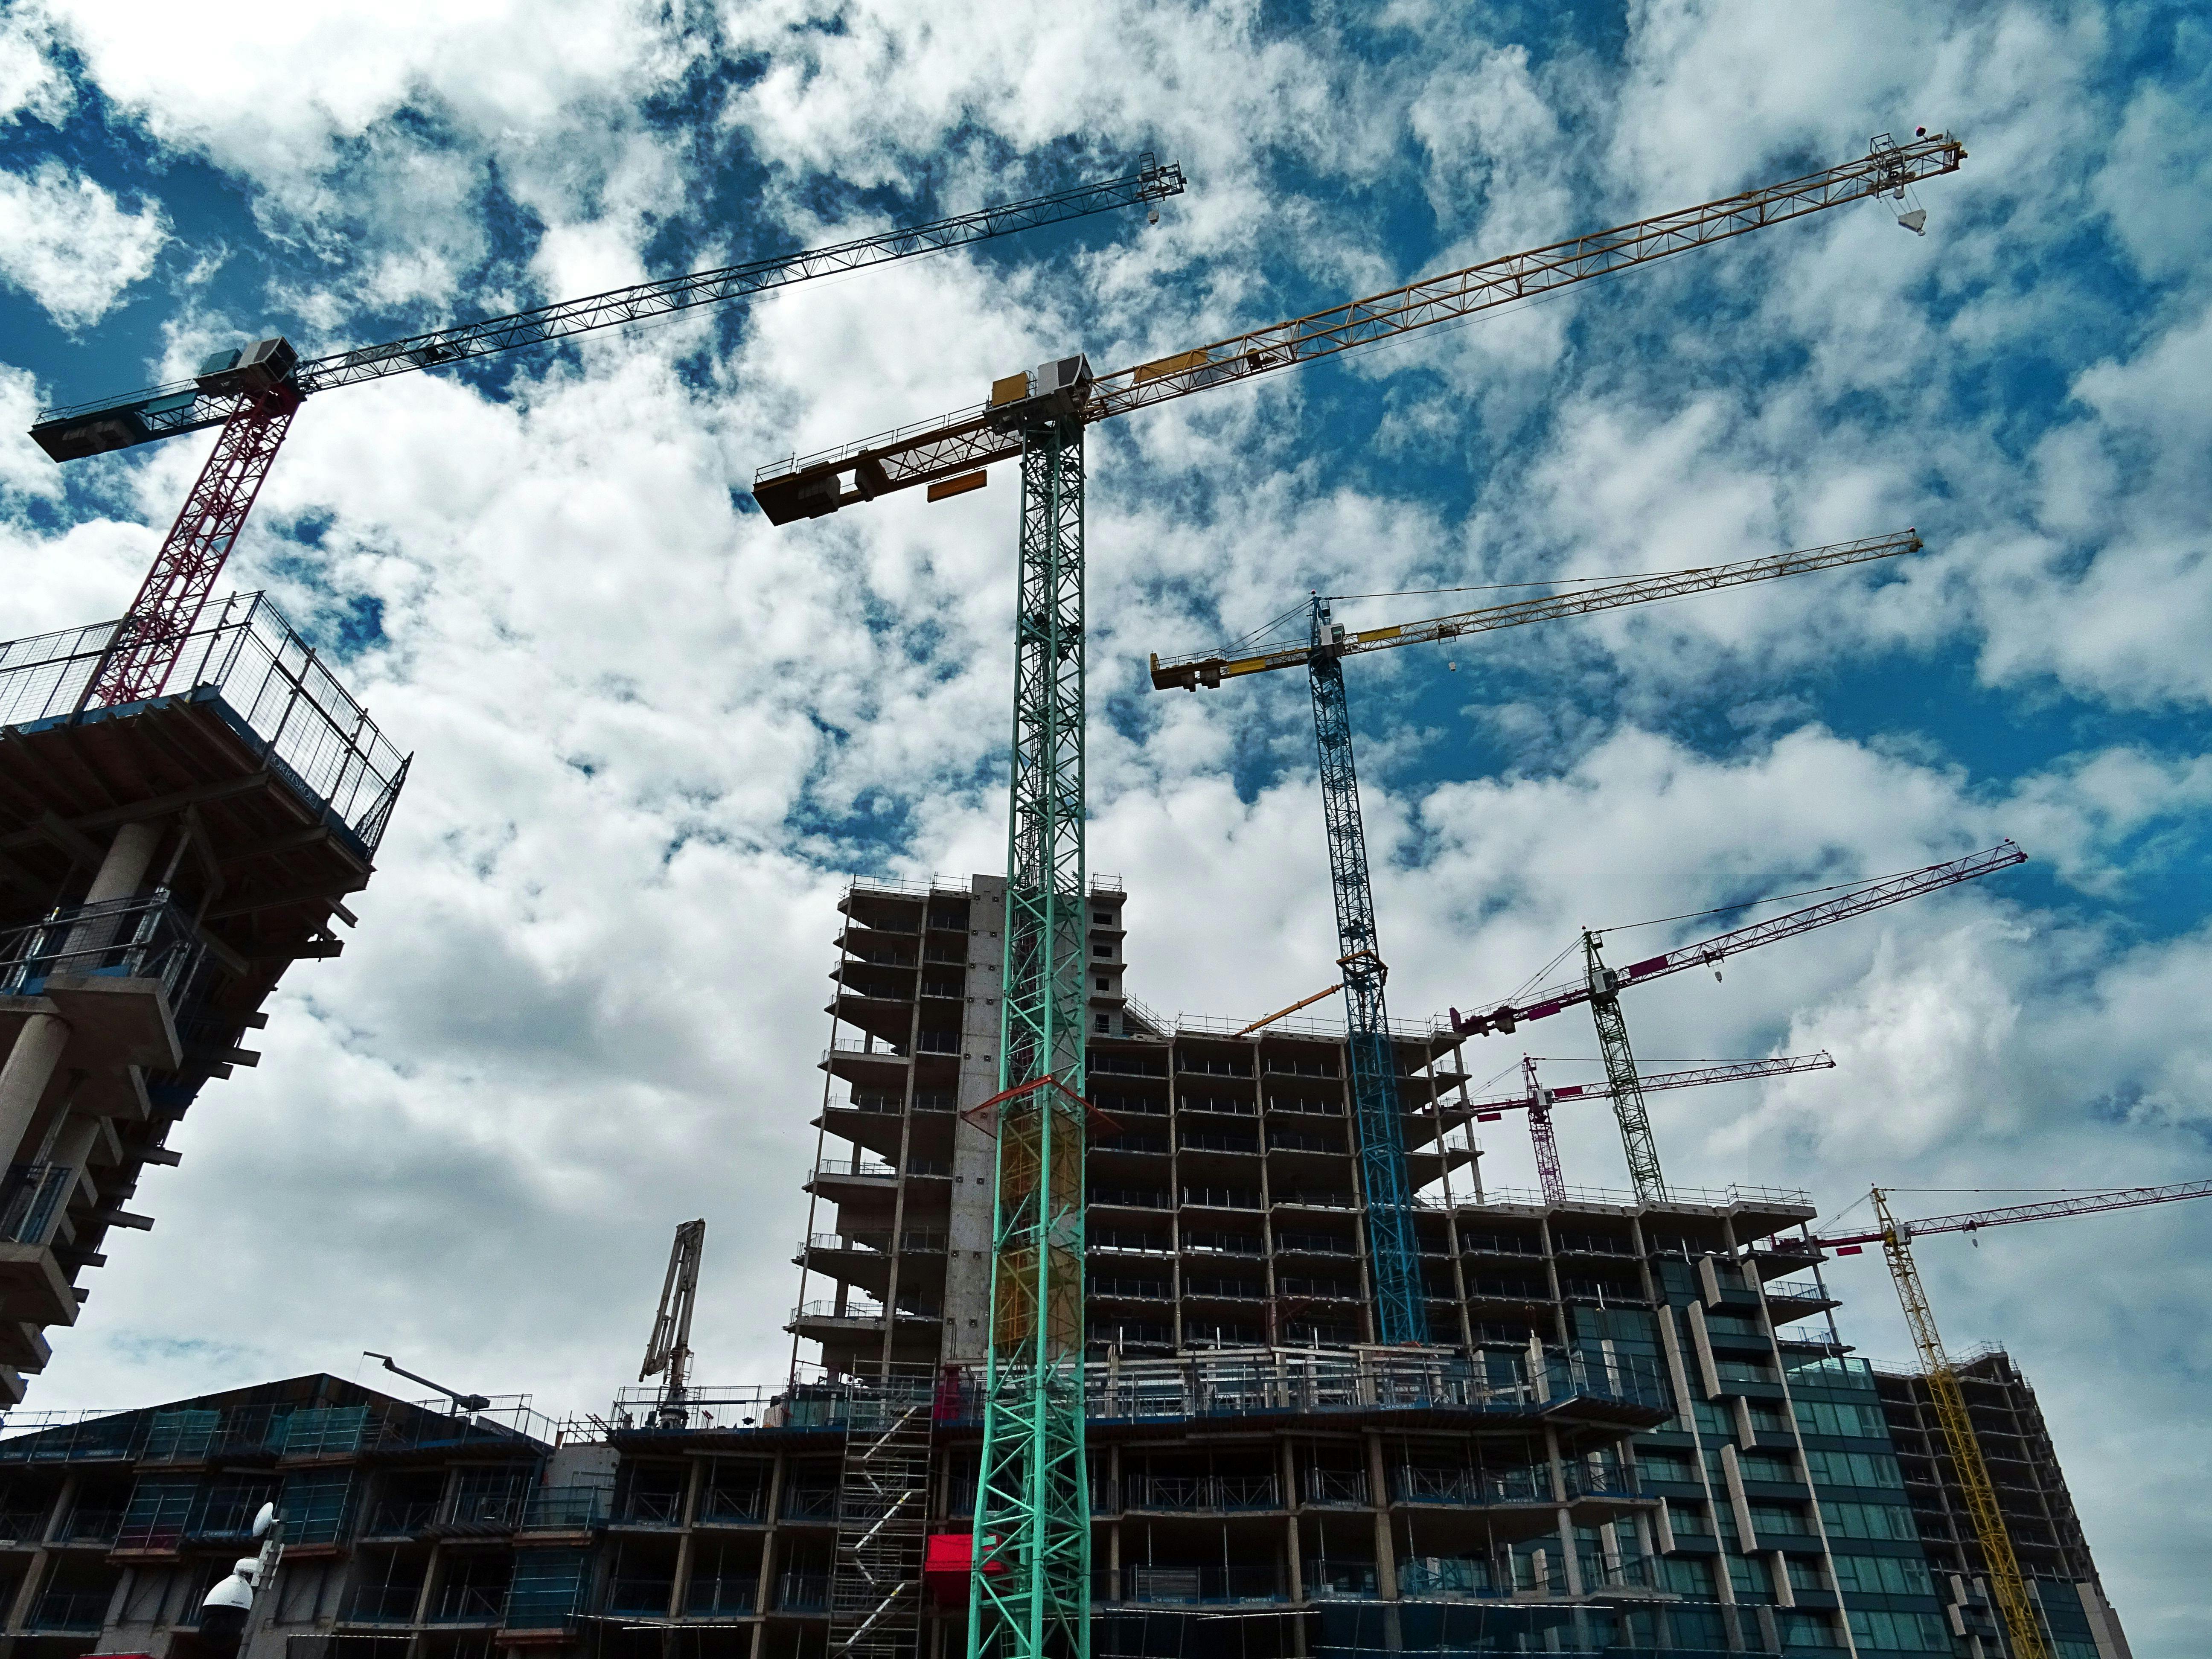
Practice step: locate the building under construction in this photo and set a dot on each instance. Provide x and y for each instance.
(1626, 1440)
(163, 862)
(2031, 1489)
(1131, 1336)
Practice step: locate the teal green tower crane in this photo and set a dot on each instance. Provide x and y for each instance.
(1029, 1593)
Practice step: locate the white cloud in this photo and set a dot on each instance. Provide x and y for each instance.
(651, 732)
(66, 242)
(25, 469)
(30, 83)
(2158, 184)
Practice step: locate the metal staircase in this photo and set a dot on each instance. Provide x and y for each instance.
(875, 1585)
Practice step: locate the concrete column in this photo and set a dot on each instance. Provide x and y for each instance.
(422, 1602)
(765, 1585)
(24, 1076)
(679, 1589)
(59, 1513)
(1115, 1588)
(124, 867)
(1570, 1567)
(118, 877)
(1386, 1547)
(27, 1593)
(73, 1141)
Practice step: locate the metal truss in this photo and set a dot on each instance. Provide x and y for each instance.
(1626, 1088)
(1711, 952)
(167, 410)
(2023, 1630)
(1029, 1591)
(153, 632)
(1210, 668)
(807, 486)
(1401, 1312)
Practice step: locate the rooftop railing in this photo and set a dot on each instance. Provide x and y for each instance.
(1717, 1198)
(186, 1436)
(1248, 1381)
(243, 651)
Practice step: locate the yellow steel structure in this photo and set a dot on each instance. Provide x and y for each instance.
(1267, 1020)
(2022, 1629)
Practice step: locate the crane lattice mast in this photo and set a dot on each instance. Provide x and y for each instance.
(253, 395)
(2023, 1630)
(1401, 1300)
(1027, 1547)
(1393, 1250)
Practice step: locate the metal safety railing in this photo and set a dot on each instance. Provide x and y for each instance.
(32, 1200)
(1199, 1584)
(1173, 1492)
(1249, 1381)
(144, 937)
(308, 726)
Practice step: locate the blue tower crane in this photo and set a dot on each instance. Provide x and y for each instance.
(1401, 1313)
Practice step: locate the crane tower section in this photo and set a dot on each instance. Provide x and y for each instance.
(1030, 1592)
(1403, 1315)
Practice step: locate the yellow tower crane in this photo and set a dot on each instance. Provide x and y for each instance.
(2023, 1630)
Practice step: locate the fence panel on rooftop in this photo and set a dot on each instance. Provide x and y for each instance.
(311, 728)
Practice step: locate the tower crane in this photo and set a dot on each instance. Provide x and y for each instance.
(253, 392)
(1393, 1251)
(1029, 1586)
(668, 1352)
(1601, 987)
(2022, 1630)
(1537, 1101)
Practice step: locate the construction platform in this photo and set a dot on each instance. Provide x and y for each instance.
(162, 864)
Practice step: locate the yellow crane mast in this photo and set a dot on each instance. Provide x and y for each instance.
(2023, 1630)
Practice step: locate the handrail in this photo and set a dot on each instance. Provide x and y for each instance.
(310, 729)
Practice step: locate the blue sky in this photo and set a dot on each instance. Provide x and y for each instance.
(653, 732)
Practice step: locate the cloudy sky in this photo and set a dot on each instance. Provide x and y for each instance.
(653, 734)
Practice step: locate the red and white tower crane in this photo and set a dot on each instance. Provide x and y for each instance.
(1601, 987)
(253, 392)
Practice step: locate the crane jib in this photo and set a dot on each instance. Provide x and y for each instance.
(1210, 669)
(810, 486)
(1872, 896)
(72, 432)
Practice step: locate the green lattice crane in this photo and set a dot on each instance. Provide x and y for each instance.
(1030, 1583)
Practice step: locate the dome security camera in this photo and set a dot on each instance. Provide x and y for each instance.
(223, 1613)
